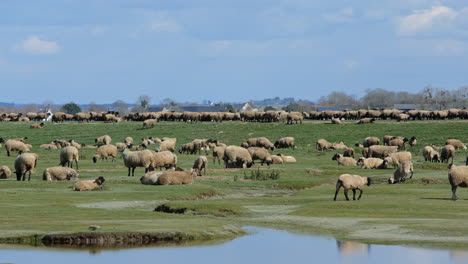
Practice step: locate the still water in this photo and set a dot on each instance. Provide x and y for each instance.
(261, 246)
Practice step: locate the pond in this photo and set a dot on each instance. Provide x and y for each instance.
(261, 246)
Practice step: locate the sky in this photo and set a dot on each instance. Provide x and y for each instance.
(227, 50)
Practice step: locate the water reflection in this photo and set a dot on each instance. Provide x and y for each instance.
(262, 246)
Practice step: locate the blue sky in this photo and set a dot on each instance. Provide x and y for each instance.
(227, 50)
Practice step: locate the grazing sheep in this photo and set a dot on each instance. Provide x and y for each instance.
(5, 172)
(400, 174)
(68, 155)
(105, 151)
(133, 159)
(218, 154)
(412, 142)
(448, 151)
(430, 154)
(286, 158)
(378, 151)
(458, 176)
(398, 142)
(15, 145)
(349, 152)
(457, 144)
(237, 155)
(103, 140)
(41, 125)
(200, 165)
(370, 141)
(372, 163)
(25, 163)
(89, 185)
(175, 177)
(366, 120)
(386, 139)
(262, 154)
(263, 142)
(163, 159)
(285, 142)
(150, 178)
(275, 159)
(398, 157)
(345, 161)
(322, 144)
(59, 174)
(294, 117)
(149, 123)
(353, 182)
(167, 145)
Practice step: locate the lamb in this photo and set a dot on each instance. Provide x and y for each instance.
(322, 145)
(149, 123)
(218, 154)
(448, 151)
(5, 172)
(285, 142)
(378, 151)
(372, 163)
(457, 144)
(345, 161)
(286, 158)
(400, 174)
(200, 165)
(25, 163)
(150, 178)
(59, 174)
(458, 176)
(370, 141)
(260, 154)
(105, 151)
(353, 182)
(133, 159)
(430, 154)
(103, 140)
(400, 143)
(14, 145)
(68, 155)
(398, 157)
(237, 155)
(175, 177)
(89, 185)
(163, 159)
(41, 125)
(349, 152)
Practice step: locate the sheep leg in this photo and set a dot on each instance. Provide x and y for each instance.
(354, 194)
(29, 178)
(346, 194)
(76, 161)
(454, 190)
(360, 194)
(128, 171)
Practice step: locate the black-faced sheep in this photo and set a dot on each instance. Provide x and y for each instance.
(103, 140)
(344, 161)
(133, 159)
(398, 142)
(447, 152)
(398, 157)
(337, 146)
(41, 125)
(349, 152)
(128, 140)
(200, 164)
(412, 141)
(25, 163)
(372, 163)
(353, 182)
(322, 144)
(238, 156)
(458, 176)
(15, 145)
(59, 174)
(150, 178)
(261, 154)
(175, 177)
(89, 185)
(285, 142)
(275, 159)
(378, 151)
(68, 155)
(370, 141)
(286, 158)
(402, 172)
(105, 151)
(218, 154)
(5, 172)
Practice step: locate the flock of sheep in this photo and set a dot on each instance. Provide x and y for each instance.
(150, 118)
(163, 156)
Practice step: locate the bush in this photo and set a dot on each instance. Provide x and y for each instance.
(259, 175)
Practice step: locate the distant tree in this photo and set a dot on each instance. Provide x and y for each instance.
(269, 108)
(337, 99)
(70, 108)
(30, 108)
(121, 107)
(93, 107)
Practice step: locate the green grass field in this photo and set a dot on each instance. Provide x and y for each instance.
(218, 205)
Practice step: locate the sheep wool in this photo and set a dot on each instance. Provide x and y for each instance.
(353, 182)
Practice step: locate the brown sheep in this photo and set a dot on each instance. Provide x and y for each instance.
(448, 151)
(353, 182)
(458, 176)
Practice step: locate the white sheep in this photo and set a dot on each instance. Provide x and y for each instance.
(163, 159)
(430, 154)
(105, 151)
(15, 145)
(133, 159)
(68, 155)
(372, 163)
(150, 178)
(59, 173)
(89, 185)
(353, 182)
(286, 158)
(345, 161)
(398, 157)
(237, 155)
(402, 172)
(25, 163)
(103, 140)
(458, 176)
(199, 165)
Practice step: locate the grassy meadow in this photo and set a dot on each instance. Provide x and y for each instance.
(219, 204)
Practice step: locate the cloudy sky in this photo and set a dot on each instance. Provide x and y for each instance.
(227, 50)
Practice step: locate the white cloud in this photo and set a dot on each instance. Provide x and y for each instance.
(343, 15)
(427, 20)
(35, 45)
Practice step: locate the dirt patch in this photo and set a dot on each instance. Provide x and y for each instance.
(313, 172)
